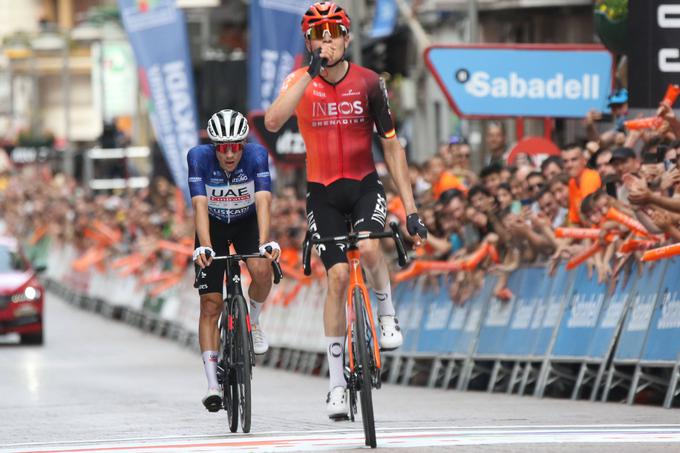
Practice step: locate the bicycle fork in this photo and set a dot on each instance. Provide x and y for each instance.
(356, 279)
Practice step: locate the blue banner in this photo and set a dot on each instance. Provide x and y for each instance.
(663, 340)
(580, 319)
(639, 316)
(549, 312)
(436, 321)
(157, 31)
(515, 80)
(523, 331)
(276, 43)
(497, 320)
(384, 19)
(612, 315)
(478, 306)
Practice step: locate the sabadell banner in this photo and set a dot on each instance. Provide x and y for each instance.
(522, 80)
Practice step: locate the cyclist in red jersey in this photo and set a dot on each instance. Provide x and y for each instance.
(337, 105)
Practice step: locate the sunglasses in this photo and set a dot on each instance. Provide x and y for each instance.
(536, 187)
(222, 148)
(335, 30)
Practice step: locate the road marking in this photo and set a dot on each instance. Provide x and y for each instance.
(411, 437)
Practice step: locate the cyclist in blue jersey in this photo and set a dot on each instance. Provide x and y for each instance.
(230, 191)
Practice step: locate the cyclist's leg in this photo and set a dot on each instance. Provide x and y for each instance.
(325, 219)
(370, 214)
(246, 241)
(210, 290)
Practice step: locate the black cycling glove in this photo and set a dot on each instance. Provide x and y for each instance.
(415, 225)
(316, 63)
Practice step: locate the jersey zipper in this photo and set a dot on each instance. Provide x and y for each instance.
(228, 175)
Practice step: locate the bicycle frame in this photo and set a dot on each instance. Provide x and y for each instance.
(356, 280)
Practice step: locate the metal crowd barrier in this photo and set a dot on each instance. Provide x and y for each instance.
(563, 335)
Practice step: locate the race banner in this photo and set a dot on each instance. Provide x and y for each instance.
(655, 59)
(385, 18)
(157, 32)
(276, 47)
(286, 146)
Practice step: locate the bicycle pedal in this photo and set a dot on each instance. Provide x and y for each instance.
(339, 417)
(213, 403)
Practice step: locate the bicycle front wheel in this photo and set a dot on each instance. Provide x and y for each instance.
(243, 359)
(363, 354)
(226, 371)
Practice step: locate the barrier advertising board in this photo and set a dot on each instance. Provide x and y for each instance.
(634, 331)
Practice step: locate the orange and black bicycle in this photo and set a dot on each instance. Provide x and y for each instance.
(363, 365)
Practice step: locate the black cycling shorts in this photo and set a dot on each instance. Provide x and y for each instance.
(244, 234)
(327, 207)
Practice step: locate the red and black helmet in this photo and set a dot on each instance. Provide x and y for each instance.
(323, 12)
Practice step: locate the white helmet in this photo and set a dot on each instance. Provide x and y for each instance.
(227, 126)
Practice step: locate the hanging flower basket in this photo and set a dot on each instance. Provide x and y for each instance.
(611, 24)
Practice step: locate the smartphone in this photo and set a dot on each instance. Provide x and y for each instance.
(668, 165)
(610, 187)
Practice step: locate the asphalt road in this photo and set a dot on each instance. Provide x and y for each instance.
(100, 385)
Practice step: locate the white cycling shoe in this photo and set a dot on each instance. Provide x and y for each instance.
(260, 345)
(213, 400)
(337, 404)
(390, 333)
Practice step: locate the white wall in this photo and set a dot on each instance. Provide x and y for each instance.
(19, 15)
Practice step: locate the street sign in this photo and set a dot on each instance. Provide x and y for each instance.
(522, 80)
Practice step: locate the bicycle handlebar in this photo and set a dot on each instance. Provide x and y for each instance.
(276, 268)
(353, 238)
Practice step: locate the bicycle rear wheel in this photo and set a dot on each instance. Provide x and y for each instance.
(243, 356)
(364, 356)
(228, 381)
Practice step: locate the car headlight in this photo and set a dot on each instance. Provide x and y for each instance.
(29, 294)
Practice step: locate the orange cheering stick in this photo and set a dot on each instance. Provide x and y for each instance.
(630, 223)
(661, 252)
(651, 122)
(633, 245)
(493, 254)
(580, 259)
(477, 257)
(584, 233)
(672, 93)
(577, 233)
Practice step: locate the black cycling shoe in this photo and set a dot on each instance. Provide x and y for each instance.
(212, 401)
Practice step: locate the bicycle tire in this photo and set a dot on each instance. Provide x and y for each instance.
(243, 361)
(229, 387)
(363, 352)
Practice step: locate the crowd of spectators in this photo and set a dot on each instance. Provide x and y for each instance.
(517, 208)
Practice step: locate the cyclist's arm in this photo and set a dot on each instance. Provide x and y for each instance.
(201, 222)
(395, 159)
(263, 202)
(285, 104)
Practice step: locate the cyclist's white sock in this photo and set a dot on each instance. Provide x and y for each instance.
(336, 368)
(255, 308)
(210, 366)
(385, 305)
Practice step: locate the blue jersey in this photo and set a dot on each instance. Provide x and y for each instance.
(231, 196)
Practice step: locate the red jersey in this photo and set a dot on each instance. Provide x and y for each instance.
(336, 122)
